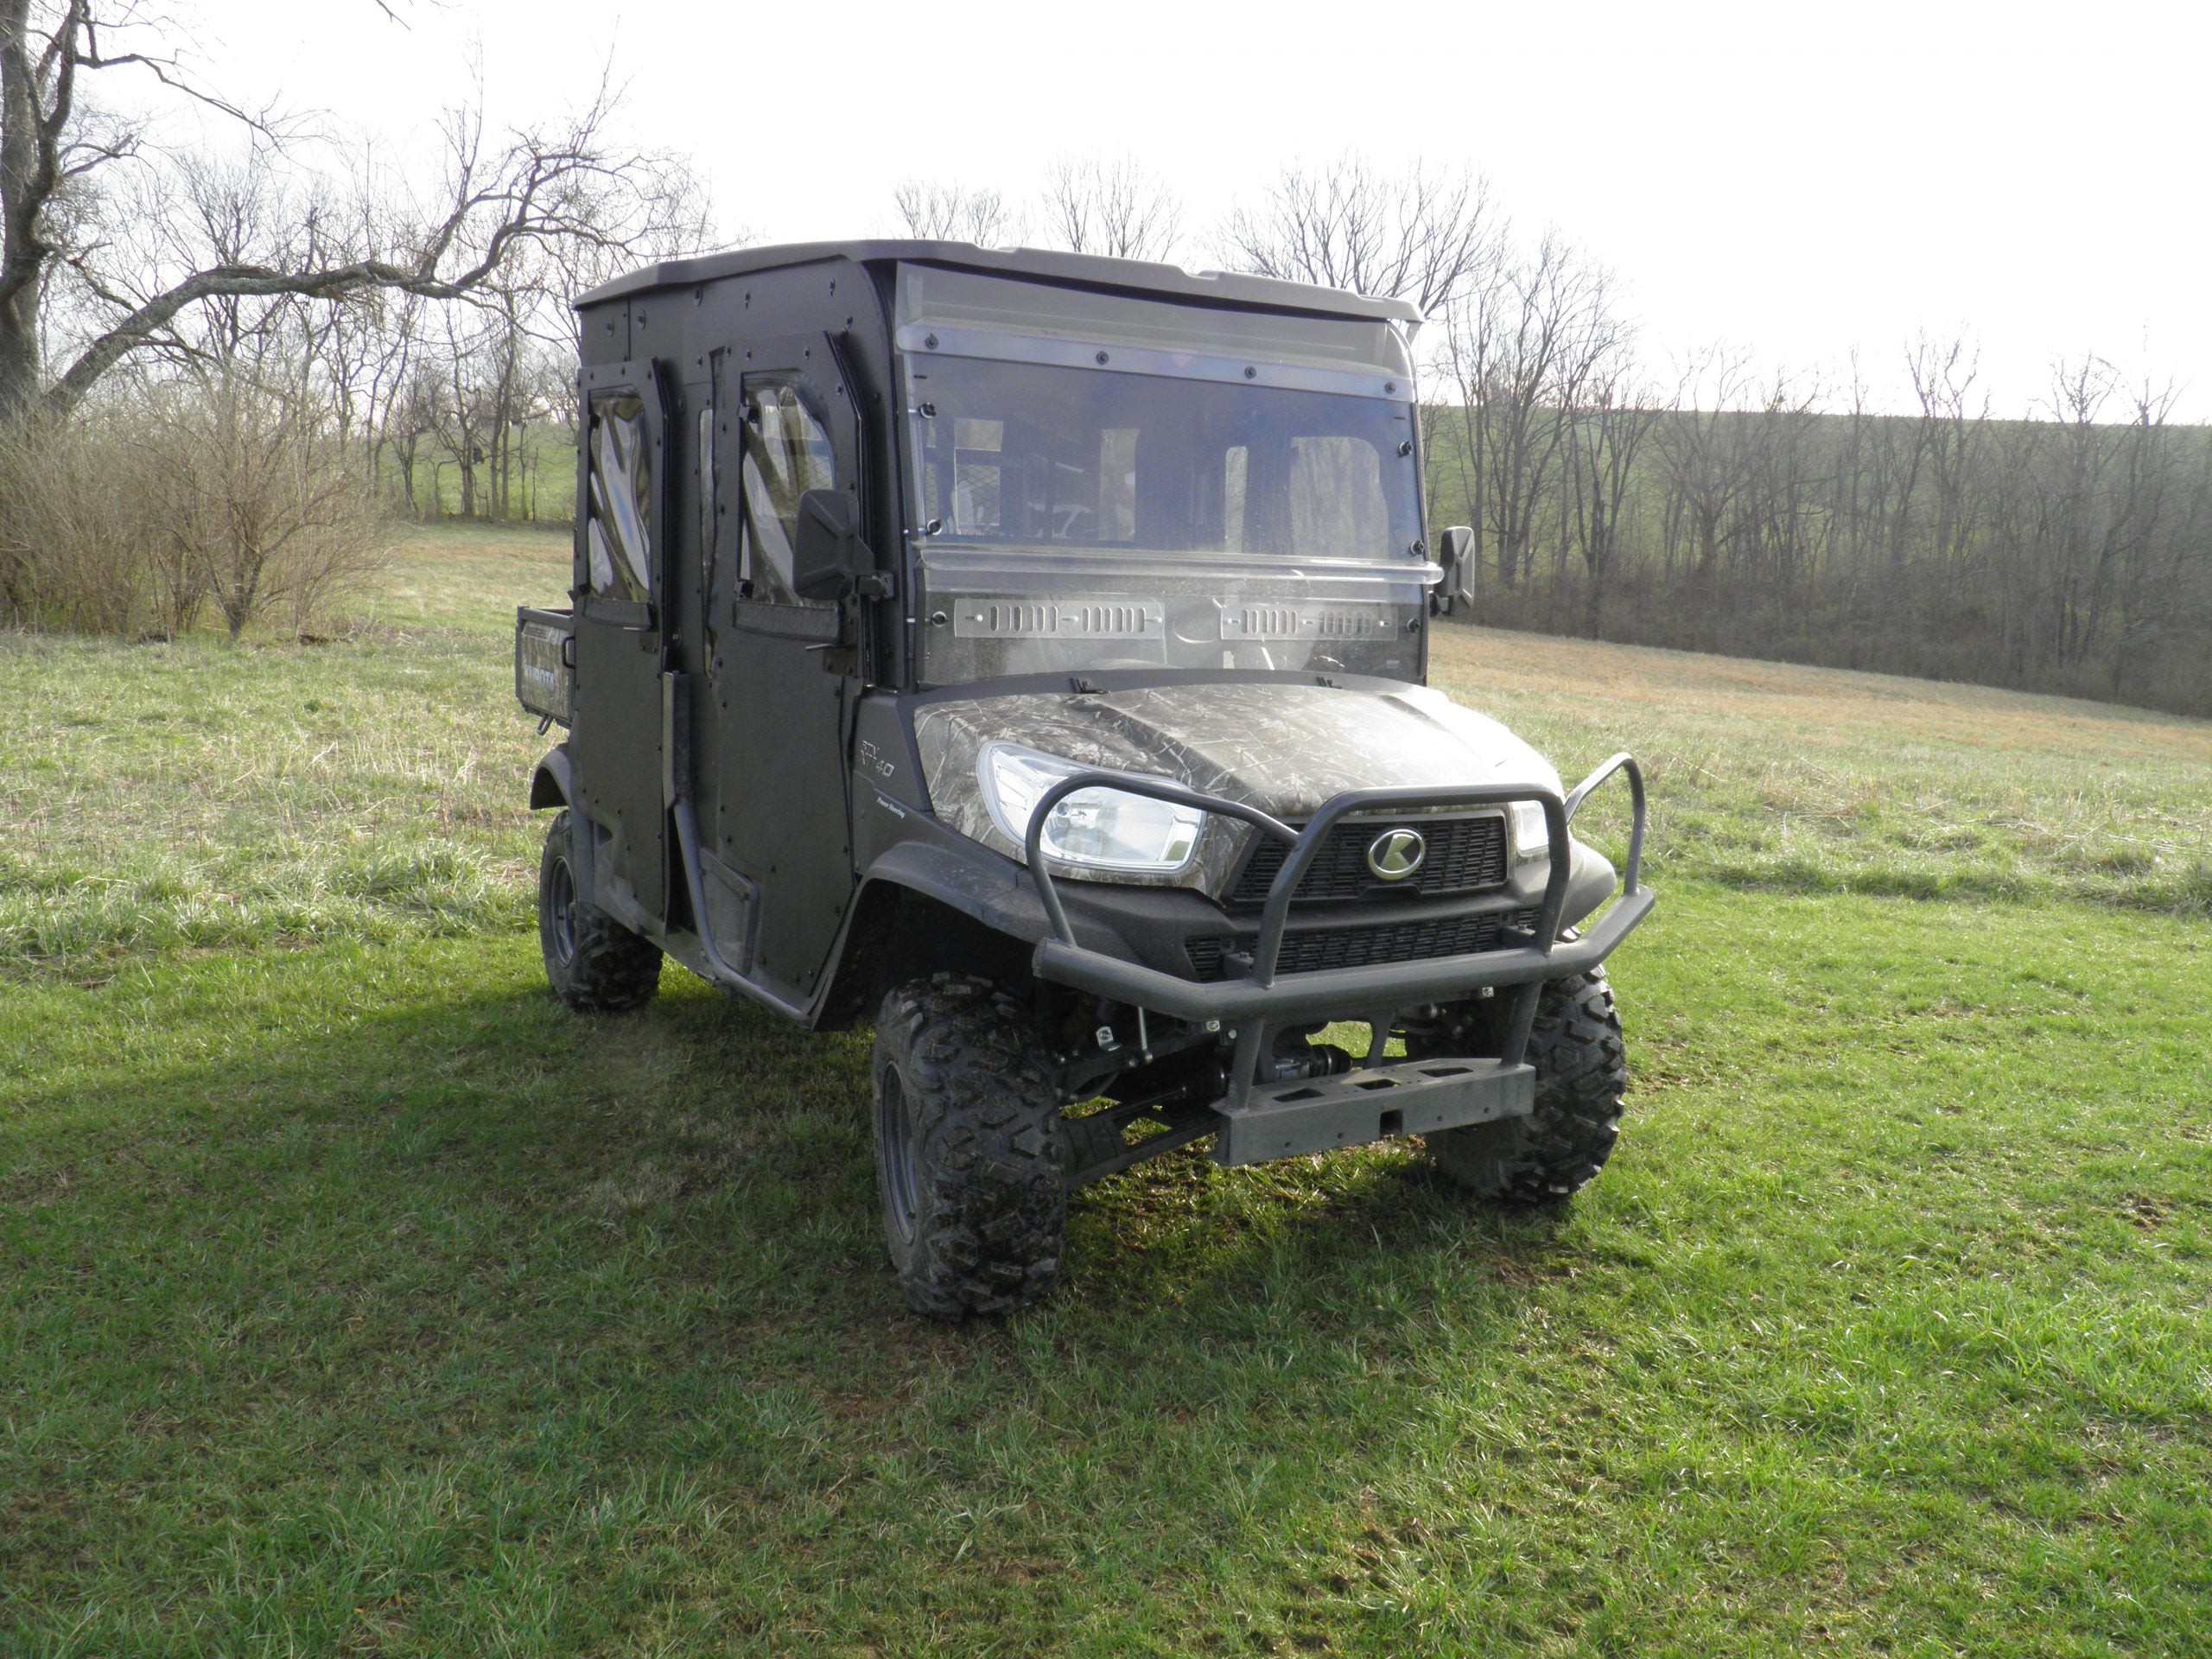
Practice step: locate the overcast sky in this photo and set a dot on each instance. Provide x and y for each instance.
(1796, 178)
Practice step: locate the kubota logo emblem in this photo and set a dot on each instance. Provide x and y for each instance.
(1396, 853)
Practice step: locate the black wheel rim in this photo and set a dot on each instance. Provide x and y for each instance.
(561, 911)
(894, 1140)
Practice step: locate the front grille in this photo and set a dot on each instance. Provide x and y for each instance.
(1361, 947)
(1465, 856)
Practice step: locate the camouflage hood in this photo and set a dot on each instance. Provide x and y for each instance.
(1284, 748)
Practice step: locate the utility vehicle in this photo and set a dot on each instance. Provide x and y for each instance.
(1027, 650)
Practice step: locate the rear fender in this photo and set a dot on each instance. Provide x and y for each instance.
(554, 782)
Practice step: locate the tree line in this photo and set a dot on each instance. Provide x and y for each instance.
(2068, 548)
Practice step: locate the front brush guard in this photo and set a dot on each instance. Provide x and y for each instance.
(1262, 1119)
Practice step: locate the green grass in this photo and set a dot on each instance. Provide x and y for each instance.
(202, 795)
(1805, 780)
(357, 1299)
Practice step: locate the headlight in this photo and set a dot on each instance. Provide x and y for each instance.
(1531, 839)
(1104, 828)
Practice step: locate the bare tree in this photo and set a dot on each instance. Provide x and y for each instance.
(409, 418)
(225, 486)
(1524, 345)
(2068, 550)
(534, 186)
(1606, 437)
(388, 327)
(359, 349)
(1420, 235)
(1115, 207)
(1701, 456)
(1781, 508)
(662, 211)
(1427, 235)
(2101, 491)
(463, 410)
(75, 547)
(1954, 419)
(954, 213)
(259, 498)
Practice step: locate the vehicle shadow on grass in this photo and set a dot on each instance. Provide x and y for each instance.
(451, 1264)
(480, 1221)
(752, 1141)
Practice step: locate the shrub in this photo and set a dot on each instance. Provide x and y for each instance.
(141, 512)
(75, 548)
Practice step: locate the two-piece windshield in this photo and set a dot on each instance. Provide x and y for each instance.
(1085, 517)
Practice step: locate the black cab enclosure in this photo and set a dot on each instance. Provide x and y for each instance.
(1028, 652)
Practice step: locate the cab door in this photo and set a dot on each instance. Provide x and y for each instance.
(615, 742)
(784, 671)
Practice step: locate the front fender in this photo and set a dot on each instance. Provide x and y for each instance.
(923, 906)
(992, 890)
(1591, 880)
(995, 890)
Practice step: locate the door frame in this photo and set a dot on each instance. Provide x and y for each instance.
(802, 867)
(619, 758)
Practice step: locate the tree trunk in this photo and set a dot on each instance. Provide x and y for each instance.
(29, 172)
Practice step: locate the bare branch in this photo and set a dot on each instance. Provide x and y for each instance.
(563, 187)
(1116, 208)
(956, 213)
(1421, 235)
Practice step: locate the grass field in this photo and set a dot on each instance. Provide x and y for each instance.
(355, 1299)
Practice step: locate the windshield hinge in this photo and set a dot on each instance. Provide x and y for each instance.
(1083, 687)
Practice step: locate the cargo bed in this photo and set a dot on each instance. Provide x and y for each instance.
(545, 662)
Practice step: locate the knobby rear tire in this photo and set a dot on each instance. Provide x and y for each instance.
(593, 963)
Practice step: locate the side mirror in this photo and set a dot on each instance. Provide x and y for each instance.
(1455, 552)
(827, 556)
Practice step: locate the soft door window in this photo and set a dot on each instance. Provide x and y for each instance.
(787, 453)
(618, 548)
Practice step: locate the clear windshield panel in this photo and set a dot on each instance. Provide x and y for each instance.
(1091, 518)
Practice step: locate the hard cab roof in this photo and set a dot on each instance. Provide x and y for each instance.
(1080, 270)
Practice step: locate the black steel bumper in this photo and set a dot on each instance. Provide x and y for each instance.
(1264, 994)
